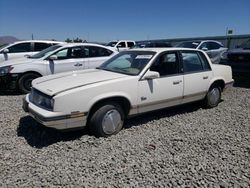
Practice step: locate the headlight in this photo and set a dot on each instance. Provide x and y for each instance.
(42, 100)
(5, 70)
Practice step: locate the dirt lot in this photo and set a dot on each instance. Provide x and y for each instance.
(178, 147)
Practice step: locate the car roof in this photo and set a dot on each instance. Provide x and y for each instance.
(86, 44)
(159, 50)
(200, 41)
(45, 41)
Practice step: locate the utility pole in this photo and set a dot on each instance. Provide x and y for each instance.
(32, 37)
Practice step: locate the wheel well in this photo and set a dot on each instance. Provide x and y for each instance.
(33, 72)
(219, 83)
(122, 101)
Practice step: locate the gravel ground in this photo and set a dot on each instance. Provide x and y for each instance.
(186, 146)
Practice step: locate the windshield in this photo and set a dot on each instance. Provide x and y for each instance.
(188, 44)
(1, 47)
(128, 62)
(245, 45)
(45, 52)
(112, 44)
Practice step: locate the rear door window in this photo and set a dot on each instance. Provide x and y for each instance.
(191, 62)
(130, 44)
(39, 46)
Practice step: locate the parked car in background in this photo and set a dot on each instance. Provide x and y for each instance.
(19, 73)
(130, 83)
(239, 59)
(213, 48)
(122, 44)
(22, 48)
(152, 44)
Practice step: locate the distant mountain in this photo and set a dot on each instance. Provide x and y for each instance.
(7, 39)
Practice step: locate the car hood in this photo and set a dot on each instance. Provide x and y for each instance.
(17, 61)
(54, 84)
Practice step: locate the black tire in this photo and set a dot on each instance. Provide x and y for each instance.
(24, 83)
(213, 96)
(102, 117)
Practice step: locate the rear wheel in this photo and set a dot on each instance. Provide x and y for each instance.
(24, 83)
(107, 120)
(213, 97)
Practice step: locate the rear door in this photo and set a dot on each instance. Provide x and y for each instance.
(164, 91)
(197, 75)
(68, 59)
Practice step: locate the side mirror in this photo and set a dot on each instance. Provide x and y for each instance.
(150, 75)
(204, 49)
(53, 57)
(5, 51)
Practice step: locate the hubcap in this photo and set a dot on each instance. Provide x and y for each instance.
(111, 122)
(214, 96)
(27, 84)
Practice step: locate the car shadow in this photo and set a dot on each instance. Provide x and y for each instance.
(163, 113)
(39, 136)
(9, 93)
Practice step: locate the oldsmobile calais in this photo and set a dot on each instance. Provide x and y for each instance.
(130, 83)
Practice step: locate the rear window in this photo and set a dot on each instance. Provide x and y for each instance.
(39, 46)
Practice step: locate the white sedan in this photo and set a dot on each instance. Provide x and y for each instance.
(18, 74)
(24, 48)
(214, 49)
(130, 83)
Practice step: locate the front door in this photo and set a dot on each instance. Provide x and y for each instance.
(68, 59)
(164, 91)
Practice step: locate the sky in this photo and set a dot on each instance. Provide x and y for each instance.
(106, 20)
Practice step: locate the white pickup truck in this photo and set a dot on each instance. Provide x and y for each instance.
(18, 74)
(130, 83)
(122, 45)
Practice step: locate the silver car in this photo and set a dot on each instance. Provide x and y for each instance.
(213, 48)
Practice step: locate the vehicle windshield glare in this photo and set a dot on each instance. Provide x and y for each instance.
(129, 62)
(45, 52)
(112, 44)
(188, 44)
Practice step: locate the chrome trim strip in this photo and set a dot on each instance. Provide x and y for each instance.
(166, 100)
(43, 119)
(159, 102)
(195, 95)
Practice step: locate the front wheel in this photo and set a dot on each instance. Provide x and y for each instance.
(213, 97)
(107, 120)
(24, 83)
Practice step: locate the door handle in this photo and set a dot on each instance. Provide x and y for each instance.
(78, 65)
(205, 77)
(177, 82)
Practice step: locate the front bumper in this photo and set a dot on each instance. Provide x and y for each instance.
(55, 120)
(9, 81)
(228, 85)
